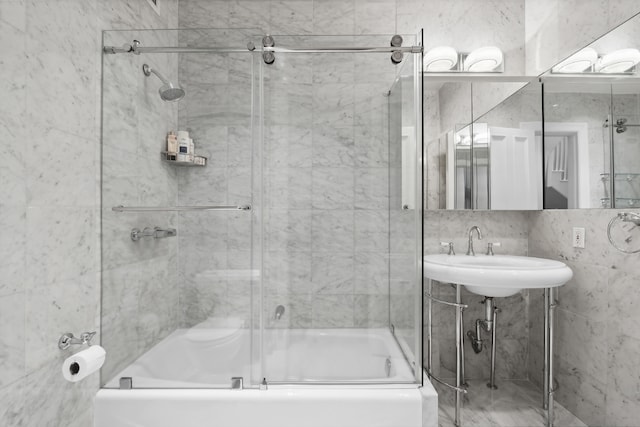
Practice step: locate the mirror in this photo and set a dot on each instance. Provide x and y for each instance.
(498, 158)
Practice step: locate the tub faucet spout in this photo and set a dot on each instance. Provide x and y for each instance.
(470, 247)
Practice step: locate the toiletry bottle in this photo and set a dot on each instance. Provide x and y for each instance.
(172, 142)
(183, 146)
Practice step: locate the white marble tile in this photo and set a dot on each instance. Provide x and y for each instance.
(332, 188)
(289, 146)
(333, 105)
(288, 272)
(204, 14)
(371, 311)
(12, 331)
(371, 147)
(289, 188)
(288, 104)
(333, 17)
(371, 230)
(332, 231)
(332, 273)
(67, 250)
(288, 230)
(333, 146)
(293, 17)
(249, 14)
(331, 68)
(329, 311)
(375, 17)
(371, 273)
(371, 188)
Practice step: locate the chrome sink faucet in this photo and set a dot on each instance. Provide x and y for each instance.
(470, 247)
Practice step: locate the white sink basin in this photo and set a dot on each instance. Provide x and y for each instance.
(496, 275)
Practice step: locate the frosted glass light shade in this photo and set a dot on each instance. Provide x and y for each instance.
(442, 58)
(578, 62)
(484, 59)
(618, 61)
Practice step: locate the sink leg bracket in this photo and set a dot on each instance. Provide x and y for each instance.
(549, 312)
(460, 387)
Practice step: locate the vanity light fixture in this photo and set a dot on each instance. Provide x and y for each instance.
(441, 58)
(618, 61)
(484, 60)
(579, 62)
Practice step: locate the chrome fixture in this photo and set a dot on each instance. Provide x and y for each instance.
(179, 208)
(621, 125)
(279, 312)
(396, 55)
(237, 383)
(489, 325)
(268, 56)
(387, 366)
(470, 247)
(628, 217)
(448, 245)
(263, 384)
(156, 233)
(168, 91)
(491, 245)
(67, 340)
(137, 49)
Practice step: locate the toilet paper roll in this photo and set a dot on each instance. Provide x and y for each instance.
(84, 363)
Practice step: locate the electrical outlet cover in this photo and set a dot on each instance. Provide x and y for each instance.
(578, 237)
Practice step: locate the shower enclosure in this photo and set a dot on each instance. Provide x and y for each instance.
(292, 257)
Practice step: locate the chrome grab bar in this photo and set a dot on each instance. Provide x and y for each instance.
(156, 233)
(180, 208)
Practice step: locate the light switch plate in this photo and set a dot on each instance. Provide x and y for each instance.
(578, 237)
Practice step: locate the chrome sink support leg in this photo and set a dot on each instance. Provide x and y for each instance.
(458, 417)
(492, 379)
(549, 308)
(464, 381)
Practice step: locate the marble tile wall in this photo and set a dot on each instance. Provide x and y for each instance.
(597, 327)
(50, 263)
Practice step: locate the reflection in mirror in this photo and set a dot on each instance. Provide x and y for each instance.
(507, 153)
(592, 125)
(447, 110)
(576, 144)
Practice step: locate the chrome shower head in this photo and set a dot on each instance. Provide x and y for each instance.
(168, 91)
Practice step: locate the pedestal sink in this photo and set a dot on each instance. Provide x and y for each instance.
(496, 275)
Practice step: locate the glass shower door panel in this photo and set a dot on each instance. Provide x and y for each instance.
(176, 312)
(326, 262)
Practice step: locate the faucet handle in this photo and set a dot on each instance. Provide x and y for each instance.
(448, 245)
(491, 245)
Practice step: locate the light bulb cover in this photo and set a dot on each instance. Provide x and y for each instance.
(618, 61)
(579, 62)
(484, 59)
(441, 58)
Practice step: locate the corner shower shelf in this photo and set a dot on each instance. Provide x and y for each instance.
(172, 158)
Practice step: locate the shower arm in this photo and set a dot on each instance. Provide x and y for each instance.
(147, 70)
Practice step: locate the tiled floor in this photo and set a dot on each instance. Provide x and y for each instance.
(516, 403)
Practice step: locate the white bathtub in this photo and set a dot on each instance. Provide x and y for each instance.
(177, 383)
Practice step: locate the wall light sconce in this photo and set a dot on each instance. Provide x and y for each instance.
(439, 59)
(588, 61)
(619, 61)
(445, 59)
(484, 60)
(577, 63)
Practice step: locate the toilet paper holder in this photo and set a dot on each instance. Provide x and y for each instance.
(67, 340)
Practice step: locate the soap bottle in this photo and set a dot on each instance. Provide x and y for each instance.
(183, 146)
(172, 142)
